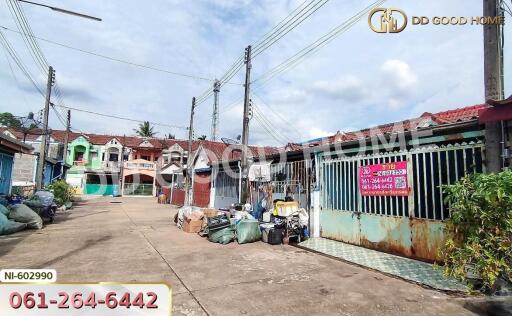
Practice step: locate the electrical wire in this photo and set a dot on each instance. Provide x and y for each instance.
(296, 21)
(119, 60)
(271, 126)
(268, 129)
(59, 117)
(279, 116)
(118, 117)
(316, 45)
(9, 49)
(275, 34)
(7, 58)
(20, 24)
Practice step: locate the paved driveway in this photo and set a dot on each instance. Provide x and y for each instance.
(134, 239)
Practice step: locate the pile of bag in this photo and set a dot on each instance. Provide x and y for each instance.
(225, 226)
(17, 217)
(223, 230)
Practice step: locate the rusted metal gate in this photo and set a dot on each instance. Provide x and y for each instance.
(201, 190)
(178, 196)
(407, 225)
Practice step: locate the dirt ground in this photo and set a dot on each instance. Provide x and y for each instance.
(134, 239)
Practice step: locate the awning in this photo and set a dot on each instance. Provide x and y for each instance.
(202, 170)
(500, 110)
(495, 114)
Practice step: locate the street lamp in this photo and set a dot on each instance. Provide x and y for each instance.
(62, 10)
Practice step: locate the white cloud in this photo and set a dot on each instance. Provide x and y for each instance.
(316, 132)
(399, 76)
(348, 88)
(358, 78)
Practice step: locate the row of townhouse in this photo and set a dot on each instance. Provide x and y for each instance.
(122, 165)
(327, 176)
(337, 178)
(25, 162)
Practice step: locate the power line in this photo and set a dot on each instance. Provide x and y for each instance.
(316, 45)
(14, 75)
(291, 21)
(295, 21)
(268, 129)
(279, 116)
(118, 117)
(118, 59)
(59, 117)
(21, 24)
(7, 46)
(271, 126)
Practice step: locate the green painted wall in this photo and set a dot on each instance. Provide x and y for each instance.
(99, 189)
(95, 157)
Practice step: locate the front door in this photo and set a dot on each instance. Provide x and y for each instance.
(201, 193)
(6, 162)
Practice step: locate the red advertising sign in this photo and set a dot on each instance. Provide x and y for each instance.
(387, 179)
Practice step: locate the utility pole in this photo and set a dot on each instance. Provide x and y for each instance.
(188, 179)
(215, 116)
(245, 129)
(66, 140)
(493, 79)
(42, 150)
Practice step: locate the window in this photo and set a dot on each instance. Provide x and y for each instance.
(94, 156)
(145, 157)
(113, 157)
(79, 156)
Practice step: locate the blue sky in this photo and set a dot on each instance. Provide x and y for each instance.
(360, 79)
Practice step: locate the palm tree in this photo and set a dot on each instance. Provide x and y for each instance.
(145, 130)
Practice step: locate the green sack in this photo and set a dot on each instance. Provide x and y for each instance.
(248, 230)
(35, 204)
(9, 227)
(4, 210)
(222, 236)
(23, 214)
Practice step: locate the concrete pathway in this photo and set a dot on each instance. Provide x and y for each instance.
(408, 269)
(135, 240)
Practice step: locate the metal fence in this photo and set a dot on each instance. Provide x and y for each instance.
(138, 189)
(296, 171)
(429, 168)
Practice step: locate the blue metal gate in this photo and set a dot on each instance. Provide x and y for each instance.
(407, 225)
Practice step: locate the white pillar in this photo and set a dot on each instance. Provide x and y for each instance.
(213, 174)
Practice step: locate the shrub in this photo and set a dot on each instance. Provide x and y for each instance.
(479, 230)
(62, 190)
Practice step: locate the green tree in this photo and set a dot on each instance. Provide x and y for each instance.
(145, 130)
(479, 230)
(171, 136)
(9, 120)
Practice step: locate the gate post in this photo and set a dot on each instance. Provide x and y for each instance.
(410, 183)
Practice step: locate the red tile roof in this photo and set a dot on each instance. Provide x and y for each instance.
(218, 151)
(425, 120)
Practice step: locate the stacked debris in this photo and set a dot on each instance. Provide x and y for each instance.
(239, 223)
